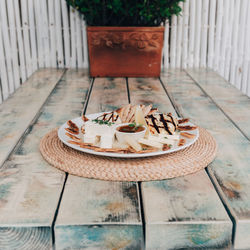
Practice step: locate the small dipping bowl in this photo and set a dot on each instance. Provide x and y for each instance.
(136, 135)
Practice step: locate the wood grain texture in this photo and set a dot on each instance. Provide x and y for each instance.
(16, 113)
(107, 94)
(175, 209)
(24, 238)
(98, 214)
(29, 187)
(235, 104)
(230, 171)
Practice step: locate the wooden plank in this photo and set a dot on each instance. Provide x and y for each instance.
(212, 11)
(224, 36)
(204, 33)
(107, 94)
(241, 51)
(13, 42)
(179, 213)
(6, 44)
(197, 41)
(33, 35)
(52, 26)
(185, 33)
(30, 187)
(191, 33)
(26, 38)
(229, 40)
(173, 41)
(235, 41)
(179, 38)
(20, 41)
(178, 222)
(246, 63)
(166, 46)
(233, 103)
(79, 42)
(66, 39)
(217, 41)
(230, 170)
(45, 33)
(59, 42)
(105, 215)
(39, 24)
(17, 113)
(3, 70)
(73, 37)
(85, 45)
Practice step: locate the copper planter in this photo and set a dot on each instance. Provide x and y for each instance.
(125, 51)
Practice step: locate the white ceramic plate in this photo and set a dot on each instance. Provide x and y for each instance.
(78, 121)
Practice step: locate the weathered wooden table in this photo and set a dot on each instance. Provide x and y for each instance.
(42, 207)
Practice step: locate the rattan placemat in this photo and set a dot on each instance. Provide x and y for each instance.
(184, 162)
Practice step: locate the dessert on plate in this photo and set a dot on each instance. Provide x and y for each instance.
(130, 129)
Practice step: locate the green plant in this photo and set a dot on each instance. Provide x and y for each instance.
(126, 12)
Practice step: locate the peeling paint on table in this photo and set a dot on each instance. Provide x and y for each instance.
(230, 170)
(178, 206)
(29, 187)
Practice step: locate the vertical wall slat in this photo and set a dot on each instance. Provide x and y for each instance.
(173, 41)
(79, 54)
(59, 41)
(1, 98)
(45, 33)
(13, 42)
(66, 37)
(217, 43)
(204, 31)
(52, 31)
(85, 49)
(179, 38)
(39, 34)
(73, 37)
(212, 12)
(229, 40)
(33, 42)
(185, 34)
(248, 86)
(6, 44)
(224, 36)
(235, 42)
(20, 41)
(197, 41)
(166, 46)
(242, 24)
(25, 24)
(3, 69)
(246, 61)
(191, 33)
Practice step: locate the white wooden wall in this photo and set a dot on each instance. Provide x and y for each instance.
(45, 33)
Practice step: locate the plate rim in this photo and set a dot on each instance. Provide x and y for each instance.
(119, 155)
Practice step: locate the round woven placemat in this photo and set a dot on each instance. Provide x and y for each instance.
(184, 162)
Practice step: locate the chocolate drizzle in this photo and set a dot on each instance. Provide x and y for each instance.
(165, 123)
(172, 119)
(109, 117)
(154, 124)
